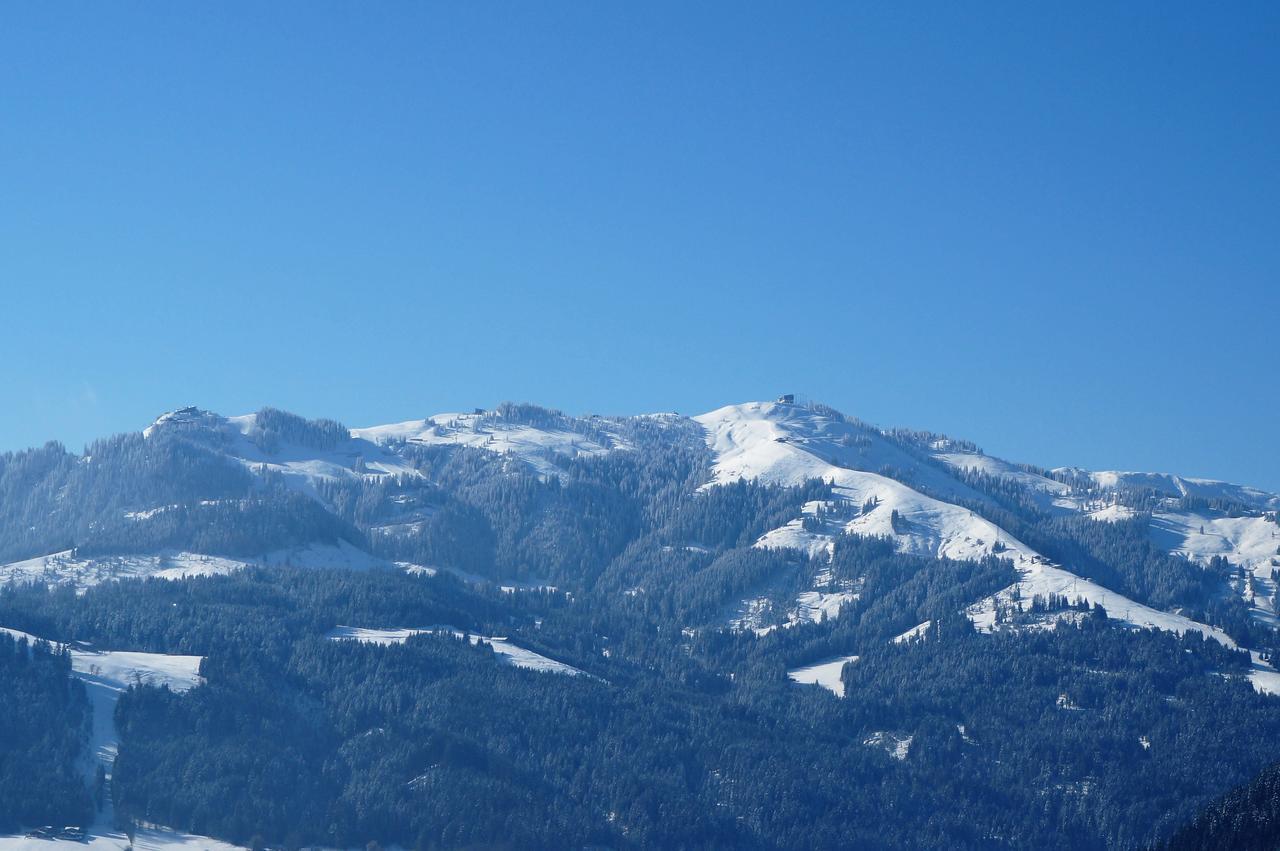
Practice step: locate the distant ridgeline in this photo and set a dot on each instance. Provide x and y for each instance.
(767, 626)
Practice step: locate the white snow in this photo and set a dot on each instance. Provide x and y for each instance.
(105, 839)
(825, 674)
(1044, 579)
(1113, 513)
(916, 632)
(118, 669)
(383, 637)
(522, 658)
(511, 654)
(485, 431)
(83, 571)
(788, 445)
(1050, 494)
(67, 568)
(809, 607)
(106, 674)
(1251, 542)
(813, 606)
(895, 744)
(300, 467)
(1265, 679)
(1176, 487)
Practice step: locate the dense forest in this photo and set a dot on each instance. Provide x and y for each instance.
(1245, 819)
(44, 725)
(1087, 736)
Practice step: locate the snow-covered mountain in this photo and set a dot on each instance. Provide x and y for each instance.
(756, 550)
(900, 488)
(371, 489)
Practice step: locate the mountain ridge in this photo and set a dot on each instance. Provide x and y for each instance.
(729, 561)
(933, 495)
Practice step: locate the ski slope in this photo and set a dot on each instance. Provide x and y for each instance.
(144, 839)
(1250, 543)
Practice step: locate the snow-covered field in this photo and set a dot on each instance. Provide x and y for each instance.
(511, 654)
(825, 674)
(145, 839)
(66, 568)
(534, 446)
(106, 674)
(83, 572)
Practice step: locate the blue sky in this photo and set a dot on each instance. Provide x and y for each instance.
(1052, 230)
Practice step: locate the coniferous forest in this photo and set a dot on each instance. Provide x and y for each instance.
(44, 727)
(674, 725)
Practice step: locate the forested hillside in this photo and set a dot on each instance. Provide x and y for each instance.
(44, 725)
(523, 629)
(1247, 818)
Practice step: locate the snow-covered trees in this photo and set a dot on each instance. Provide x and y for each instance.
(44, 722)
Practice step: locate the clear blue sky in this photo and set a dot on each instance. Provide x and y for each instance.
(1051, 228)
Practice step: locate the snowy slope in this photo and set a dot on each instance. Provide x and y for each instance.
(783, 443)
(789, 444)
(106, 674)
(825, 674)
(145, 839)
(534, 445)
(83, 572)
(66, 568)
(1251, 541)
(1051, 495)
(511, 654)
(371, 452)
(1177, 487)
(302, 467)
